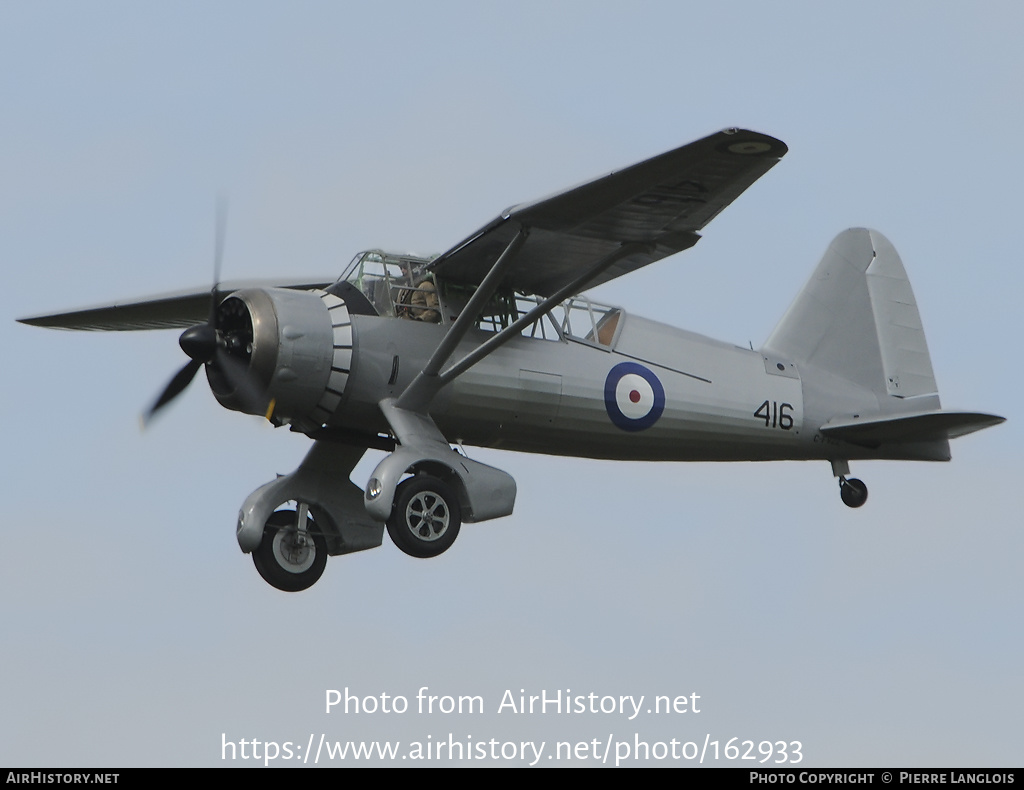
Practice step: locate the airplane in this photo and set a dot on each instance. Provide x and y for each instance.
(491, 344)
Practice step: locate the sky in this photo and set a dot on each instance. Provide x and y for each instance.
(133, 632)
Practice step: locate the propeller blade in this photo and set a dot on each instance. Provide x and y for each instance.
(203, 344)
(218, 257)
(173, 389)
(248, 391)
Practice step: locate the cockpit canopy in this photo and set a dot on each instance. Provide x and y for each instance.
(390, 282)
(402, 286)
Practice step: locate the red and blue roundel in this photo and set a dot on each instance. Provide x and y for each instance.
(633, 396)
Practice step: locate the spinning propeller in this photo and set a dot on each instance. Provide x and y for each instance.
(223, 343)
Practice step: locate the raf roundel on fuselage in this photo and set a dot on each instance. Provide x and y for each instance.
(633, 396)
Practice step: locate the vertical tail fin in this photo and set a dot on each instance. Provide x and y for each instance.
(856, 318)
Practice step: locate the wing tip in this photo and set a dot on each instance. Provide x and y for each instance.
(746, 142)
(44, 321)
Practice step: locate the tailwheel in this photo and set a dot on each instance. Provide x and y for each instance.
(426, 517)
(853, 491)
(290, 558)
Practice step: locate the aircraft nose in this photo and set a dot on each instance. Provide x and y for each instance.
(199, 342)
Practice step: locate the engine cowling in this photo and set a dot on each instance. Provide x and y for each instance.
(297, 348)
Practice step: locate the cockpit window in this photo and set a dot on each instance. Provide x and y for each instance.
(576, 319)
(506, 307)
(584, 320)
(402, 286)
(396, 285)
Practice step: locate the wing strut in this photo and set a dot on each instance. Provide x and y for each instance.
(573, 287)
(422, 389)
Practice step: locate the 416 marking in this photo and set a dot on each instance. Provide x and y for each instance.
(775, 414)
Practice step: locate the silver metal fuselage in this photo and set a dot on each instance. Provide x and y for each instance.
(721, 402)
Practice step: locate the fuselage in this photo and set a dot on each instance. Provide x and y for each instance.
(656, 393)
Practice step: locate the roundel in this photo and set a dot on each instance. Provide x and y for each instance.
(633, 396)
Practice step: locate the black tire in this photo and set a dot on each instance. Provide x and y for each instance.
(853, 492)
(282, 562)
(426, 517)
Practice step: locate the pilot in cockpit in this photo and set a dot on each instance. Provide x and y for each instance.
(423, 305)
(419, 302)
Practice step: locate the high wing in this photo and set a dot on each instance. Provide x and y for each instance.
(631, 217)
(179, 309)
(659, 203)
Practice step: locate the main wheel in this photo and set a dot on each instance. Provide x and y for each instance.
(426, 517)
(286, 559)
(853, 492)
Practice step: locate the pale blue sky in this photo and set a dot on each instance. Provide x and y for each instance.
(134, 632)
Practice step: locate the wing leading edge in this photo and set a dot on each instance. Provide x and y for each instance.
(180, 309)
(661, 203)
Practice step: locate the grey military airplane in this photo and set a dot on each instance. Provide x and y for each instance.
(490, 344)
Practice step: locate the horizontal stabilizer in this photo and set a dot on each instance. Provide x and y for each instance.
(920, 426)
